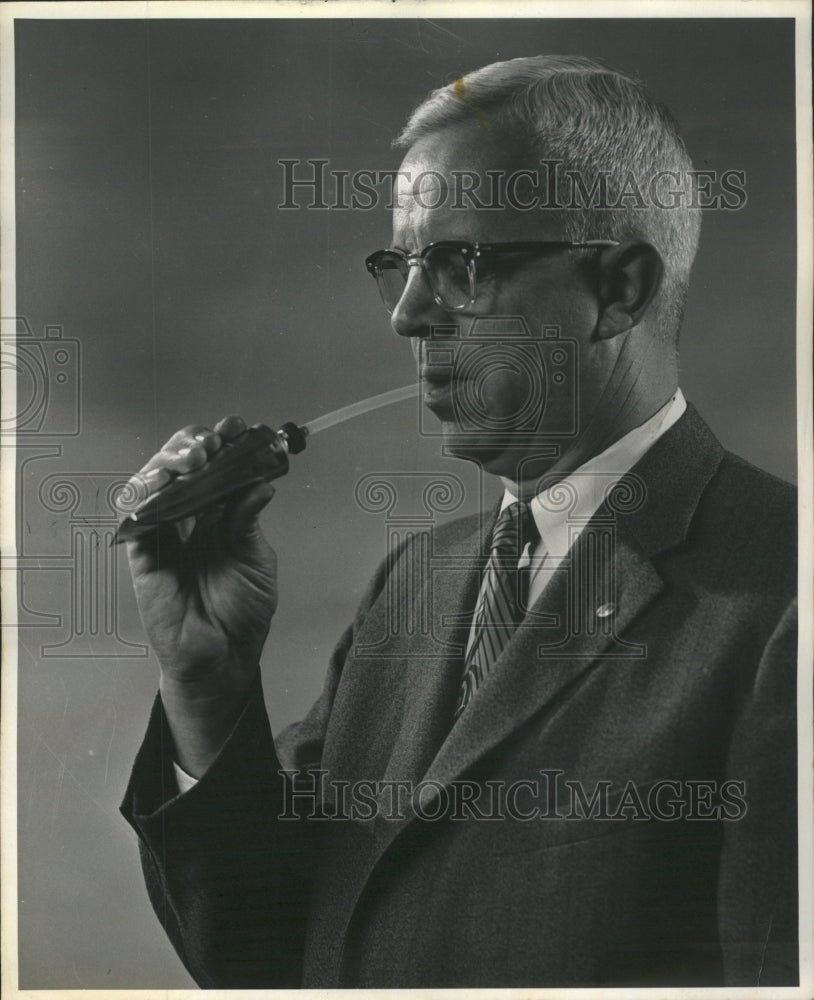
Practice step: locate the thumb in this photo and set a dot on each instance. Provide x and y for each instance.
(240, 518)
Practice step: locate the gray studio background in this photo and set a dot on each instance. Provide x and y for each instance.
(148, 231)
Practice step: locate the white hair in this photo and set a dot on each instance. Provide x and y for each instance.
(591, 119)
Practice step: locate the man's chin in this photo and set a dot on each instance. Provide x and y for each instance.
(472, 446)
(510, 457)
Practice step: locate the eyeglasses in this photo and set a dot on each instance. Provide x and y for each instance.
(452, 267)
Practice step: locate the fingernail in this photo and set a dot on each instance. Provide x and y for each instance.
(185, 528)
(200, 437)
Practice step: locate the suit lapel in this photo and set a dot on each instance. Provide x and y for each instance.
(434, 660)
(540, 665)
(542, 662)
(537, 669)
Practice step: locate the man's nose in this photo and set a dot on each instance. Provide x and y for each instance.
(416, 312)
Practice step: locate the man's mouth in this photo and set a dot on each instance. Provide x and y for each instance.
(438, 385)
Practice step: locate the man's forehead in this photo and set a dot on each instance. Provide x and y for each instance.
(429, 199)
(421, 184)
(441, 155)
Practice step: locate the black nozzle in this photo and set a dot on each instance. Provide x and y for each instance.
(295, 437)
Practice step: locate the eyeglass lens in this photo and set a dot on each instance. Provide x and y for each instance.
(446, 270)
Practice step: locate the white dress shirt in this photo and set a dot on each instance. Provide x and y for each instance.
(587, 488)
(559, 510)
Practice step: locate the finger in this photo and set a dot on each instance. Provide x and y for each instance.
(186, 436)
(194, 436)
(139, 488)
(230, 427)
(240, 516)
(162, 467)
(187, 449)
(187, 458)
(210, 441)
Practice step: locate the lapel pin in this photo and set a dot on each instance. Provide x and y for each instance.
(605, 610)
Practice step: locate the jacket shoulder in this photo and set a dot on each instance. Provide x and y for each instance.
(754, 504)
(761, 485)
(743, 536)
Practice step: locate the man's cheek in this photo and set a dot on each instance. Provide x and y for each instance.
(512, 398)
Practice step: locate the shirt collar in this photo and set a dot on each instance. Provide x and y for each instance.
(560, 510)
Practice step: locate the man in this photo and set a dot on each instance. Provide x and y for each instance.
(595, 733)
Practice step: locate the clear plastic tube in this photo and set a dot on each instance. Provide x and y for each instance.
(363, 406)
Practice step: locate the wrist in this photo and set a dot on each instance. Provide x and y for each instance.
(207, 688)
(201, 714)
(205, 697)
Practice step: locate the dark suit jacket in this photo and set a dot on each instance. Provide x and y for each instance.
(690, 679)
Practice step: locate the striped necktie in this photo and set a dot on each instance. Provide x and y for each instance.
(501, 604)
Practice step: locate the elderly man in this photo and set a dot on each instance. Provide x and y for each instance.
(582, 772)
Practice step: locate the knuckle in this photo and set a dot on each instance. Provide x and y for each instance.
(209, 441)
(230, 425)
(196, 454)
(181, 437)
(156, 462)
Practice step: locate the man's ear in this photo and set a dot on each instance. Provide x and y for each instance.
(629, 277)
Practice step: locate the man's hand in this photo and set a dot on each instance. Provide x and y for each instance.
(206, 590)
